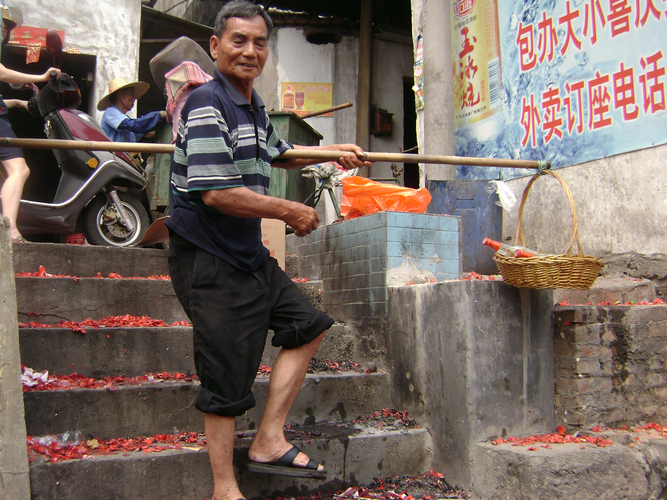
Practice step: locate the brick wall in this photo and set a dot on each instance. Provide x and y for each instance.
(610, 365)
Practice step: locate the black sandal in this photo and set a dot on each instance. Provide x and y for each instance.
(285, 466)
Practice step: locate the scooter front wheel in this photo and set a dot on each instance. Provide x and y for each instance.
(102, 225)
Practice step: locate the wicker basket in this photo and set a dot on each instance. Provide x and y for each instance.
(549, 271)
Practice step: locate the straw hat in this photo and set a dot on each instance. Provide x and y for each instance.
(140, 88)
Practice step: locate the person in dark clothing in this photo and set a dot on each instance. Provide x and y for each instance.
(230, 287)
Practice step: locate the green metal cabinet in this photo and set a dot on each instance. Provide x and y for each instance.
(289, 184)
(158, 178)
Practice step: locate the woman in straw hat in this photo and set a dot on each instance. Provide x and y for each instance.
(121, 97)
(15, 167)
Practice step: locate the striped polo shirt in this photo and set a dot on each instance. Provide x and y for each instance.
(223, 142)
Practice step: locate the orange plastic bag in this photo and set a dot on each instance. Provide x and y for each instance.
(362, 196)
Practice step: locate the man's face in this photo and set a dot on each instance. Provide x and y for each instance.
(126, 98)
(242, 50)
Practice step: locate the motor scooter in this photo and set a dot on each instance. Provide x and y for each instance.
(98, 192)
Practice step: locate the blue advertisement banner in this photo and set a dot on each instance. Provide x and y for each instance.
(581, 80)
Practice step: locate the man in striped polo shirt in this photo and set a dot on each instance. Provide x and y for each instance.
(229, 286)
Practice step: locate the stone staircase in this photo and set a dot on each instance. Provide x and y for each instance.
(320, 422)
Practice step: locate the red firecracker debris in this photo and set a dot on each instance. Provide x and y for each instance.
(655, 302)
(388, 417)
(480, 277)
(426, 486)
(42, 381)
(127, 321)
(559, 437)
(43, 274)
(54, 450)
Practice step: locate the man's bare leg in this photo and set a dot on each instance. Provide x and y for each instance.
(287, 375)
(220, 443)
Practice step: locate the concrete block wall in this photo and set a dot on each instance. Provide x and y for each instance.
(474, 360)
(357, 259)
(610, 365)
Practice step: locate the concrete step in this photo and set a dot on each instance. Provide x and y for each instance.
(136, 351)
(108, 351)
(88, 260)
(160, 407)
(50, 300)
(351, 455)
(629, 471)
(618, 288)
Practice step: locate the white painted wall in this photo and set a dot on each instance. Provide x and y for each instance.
(299, 61)
(108, 29)
(294, 59)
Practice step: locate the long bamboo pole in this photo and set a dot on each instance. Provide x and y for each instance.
(327, 110)
(299, 154)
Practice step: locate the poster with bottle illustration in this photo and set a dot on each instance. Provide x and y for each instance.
(579, 80)
(306, 97)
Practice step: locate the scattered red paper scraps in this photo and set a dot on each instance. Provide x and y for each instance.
(43, 274)
(388, 417)
(481, 277)
(319, 366)
(300, 280)
(645, 428)
(115, 276)
(559, 437)
(426, 486)
(655, 427)
(127, 321)
(655, 302)
(56, 449)
(42, 381)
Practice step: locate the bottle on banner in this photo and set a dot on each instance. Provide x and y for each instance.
(476, 63)
(288, 98)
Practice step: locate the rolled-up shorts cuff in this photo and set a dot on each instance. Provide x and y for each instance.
(209, 402)
(302, 332)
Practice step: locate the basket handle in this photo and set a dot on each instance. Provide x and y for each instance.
(575, 229)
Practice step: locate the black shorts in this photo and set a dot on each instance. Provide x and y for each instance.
(6, 131)
(232, 311)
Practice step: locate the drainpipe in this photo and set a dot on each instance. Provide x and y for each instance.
(364, 85)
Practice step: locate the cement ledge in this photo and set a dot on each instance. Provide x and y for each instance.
(633, 471)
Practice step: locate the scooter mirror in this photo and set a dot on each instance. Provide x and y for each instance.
(54, 46)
